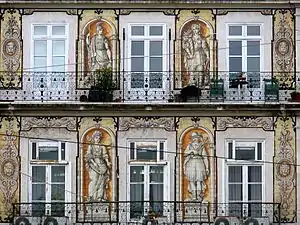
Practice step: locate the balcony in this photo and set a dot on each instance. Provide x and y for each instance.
(148, 87)
(143, 212)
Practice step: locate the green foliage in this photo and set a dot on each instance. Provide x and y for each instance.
(104, 79)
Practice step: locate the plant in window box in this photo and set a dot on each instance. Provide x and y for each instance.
(295, 95)
(102, 91)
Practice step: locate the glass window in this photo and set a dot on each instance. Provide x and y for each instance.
(146, 189)
(156, 30)
(146, 55)
(244, 179)
(245, 53)
(137, 30)
(49, 55)
(253, 30)
(40, 30)
(147, 150)
(235, 30)
(58, 30)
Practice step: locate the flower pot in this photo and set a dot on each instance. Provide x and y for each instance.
(295, 96)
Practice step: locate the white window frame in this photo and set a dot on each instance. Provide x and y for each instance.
(147, 38)
(158, 153)
(244, 38)
(48, 164)
(245, 164)
(147, 164)
(49, 38)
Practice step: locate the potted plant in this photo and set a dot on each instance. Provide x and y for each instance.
(102, 91)
(295, 95)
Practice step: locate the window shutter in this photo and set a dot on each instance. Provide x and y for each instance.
(33, 150)
(230, 150)
(132, 150)
(63, 151)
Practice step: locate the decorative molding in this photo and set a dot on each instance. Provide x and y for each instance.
(284, 50)
(285, 170)
(124, 12)
(146, 122)
(263, 122)
(9, 165)
(170, 12)
(52, 122)
(221, 12)
(11, 49)
(267, 12)
(27, 11)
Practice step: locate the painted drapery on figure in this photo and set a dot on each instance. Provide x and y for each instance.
(97, 164)
(98, 48)
(196, 167)
(195, 54)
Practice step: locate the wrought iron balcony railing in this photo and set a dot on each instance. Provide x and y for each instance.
(151, 86)
(143, 212)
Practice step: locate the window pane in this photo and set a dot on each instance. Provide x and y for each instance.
(58, 30)
(253, 64)
(235, 192)
(58, 192)
(137, 30)
(132, 150)
(254, 192)
(58, 64)
(254, 174)
(58, 47)
(157, 197)
(235, 47)
(40, 48)
(38, 192)
(63, 151)
(156, 48)
(253, 30)
(137, 64)
(157, 174)
(38, 174)
(235, 30)
(156, 30)
(40, 63)
(40, 30)
(58, 174)
(156, 64)
(155, 80)
(33, 150)
(136, 200)
(137, 80)
(137, 48)
(235, 64)
(136, 174)
(48, 153)
(235, 174)
(245, 153)
(253, 48)
(146, 150)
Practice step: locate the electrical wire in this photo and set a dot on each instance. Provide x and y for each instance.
(166, 54)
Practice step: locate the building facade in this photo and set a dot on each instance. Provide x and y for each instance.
(169, 112)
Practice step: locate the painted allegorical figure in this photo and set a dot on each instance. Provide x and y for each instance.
(98, 165)
(99, 54)
(195, 56)
(196, 166)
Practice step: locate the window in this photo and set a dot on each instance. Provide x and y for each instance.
(147, 54)
(244, 43)
(147, 150)
(147, 176)
(49, 54)
(48, 178)
(245, 177)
